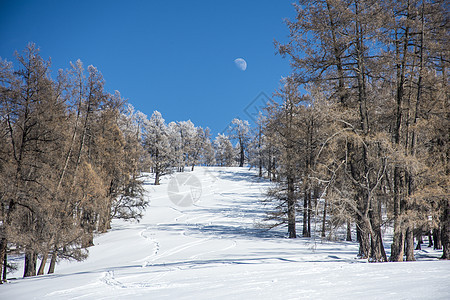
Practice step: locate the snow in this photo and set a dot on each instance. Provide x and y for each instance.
(216, 249)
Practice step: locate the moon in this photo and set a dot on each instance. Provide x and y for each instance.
(240, 63)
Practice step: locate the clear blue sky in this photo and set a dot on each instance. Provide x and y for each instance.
(173, 56)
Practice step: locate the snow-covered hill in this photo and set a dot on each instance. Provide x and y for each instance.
(215, 249)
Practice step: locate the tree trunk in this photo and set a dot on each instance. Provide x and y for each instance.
(309, 212)
(418, 235)
(358, 233)
(157, 175)
(260, 155)
(377, 253)
(437, 239)
(377, 231)
(291, 208)
(242, 155)
(260, 174)
(30, 263)
(3, 244)
(409, 241)
(338, 57)
(105, 219)
(383, 252)
(364, 238)
(445, 232)
(5, 268)
(43, 262)
(349, 231)
(274, 171)
(397, 245)
(305, 215)
(51, 268)
(324, 218)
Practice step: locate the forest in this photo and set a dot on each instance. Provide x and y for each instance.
(73, 156)
(356, 136)
(363, 122)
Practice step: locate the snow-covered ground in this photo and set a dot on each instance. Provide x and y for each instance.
(216, 249)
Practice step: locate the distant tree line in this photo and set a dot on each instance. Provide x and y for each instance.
(174, 146)
(359, 133)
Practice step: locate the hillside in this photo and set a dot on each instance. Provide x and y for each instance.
(201, 238)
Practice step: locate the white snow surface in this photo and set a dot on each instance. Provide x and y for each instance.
(216, 249)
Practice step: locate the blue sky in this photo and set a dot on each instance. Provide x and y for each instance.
(173, 56)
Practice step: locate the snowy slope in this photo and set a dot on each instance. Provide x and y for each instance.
(215, 249)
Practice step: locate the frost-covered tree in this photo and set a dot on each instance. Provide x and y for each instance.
(257, 148)
(208, 155)
(240, 130)
(186, 142)
(130, 202)
(224, 150)
(197, 146)
(188, 134)
(176, 145)
(156, 142)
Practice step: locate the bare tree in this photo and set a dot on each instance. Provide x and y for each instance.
(282, 129)
(239, 130)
